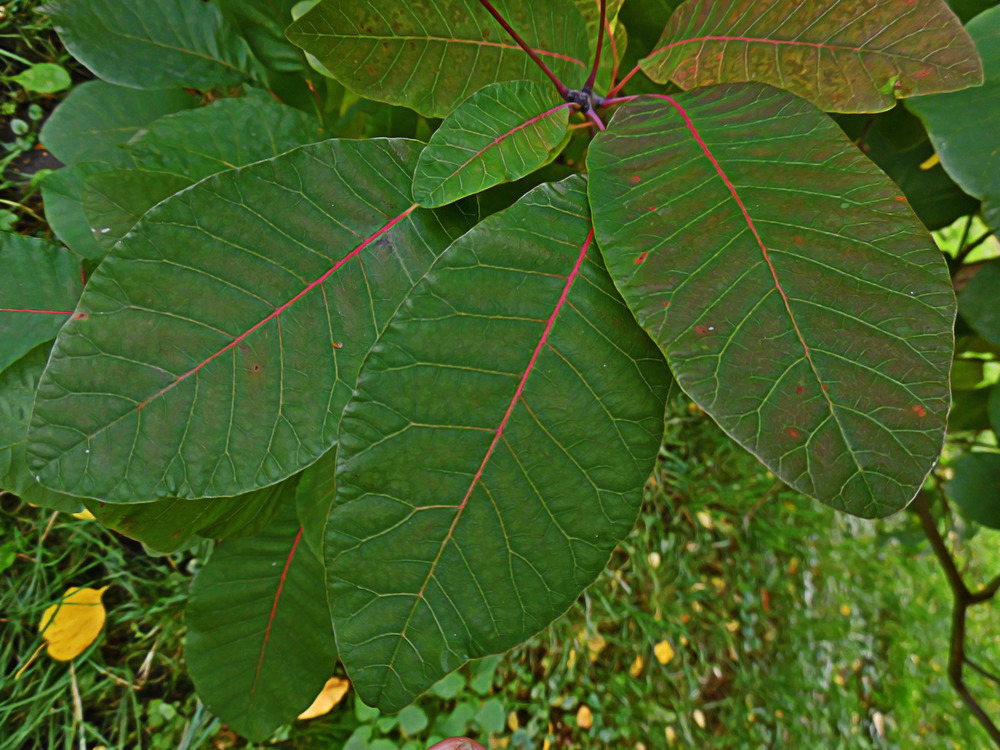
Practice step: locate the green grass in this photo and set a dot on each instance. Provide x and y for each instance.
(792, 625)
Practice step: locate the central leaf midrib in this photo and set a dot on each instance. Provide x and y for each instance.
(496, 440)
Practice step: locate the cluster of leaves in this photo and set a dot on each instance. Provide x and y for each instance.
(421, 401)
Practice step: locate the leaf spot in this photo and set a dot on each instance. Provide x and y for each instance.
(636, 178)
(641, 258)
(792, 432)
(338, 345)
(800, 389)
(919, 410)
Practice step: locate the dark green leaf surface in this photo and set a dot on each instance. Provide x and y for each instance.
(314, 497)
(964, 125)
(842, 55)
(976, 487)
(498, 134)
(432, 54)
(152, 44)
(259, 643)
(62, 194)
(223, 336)
(169, 525)
(39, 287)
(180, 149)
(798, 299)
(494, 452)
(98, 117)
(994, 408)
(979, 302)
(262, 23)
(17, 395)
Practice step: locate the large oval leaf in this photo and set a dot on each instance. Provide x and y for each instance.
(259, 643)
(798, 299)
(98, 117)
(498, 134)
(39, 287)
(178, 150)
(213, 351)
(976, 487)
(152, 44)
(494, 453)
(843, 55)
(432, 54)
(964, 125)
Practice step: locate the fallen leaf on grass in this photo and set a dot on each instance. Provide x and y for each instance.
(84, 515)
(584, 718)
(71, 625)
(664, 652)
(636, 669)
(332, 693)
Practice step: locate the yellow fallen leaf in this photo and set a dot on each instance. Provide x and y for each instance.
(704, 518)
(572, 658)
(332, 693)
(84, 515)
(699, 718)
(512, 722)
(584, 719)
(671, 735)
(595, 645)
(653, 558)
(845, 609)
(664, 652)
(636, 669)
(930, 163)
(70, 626)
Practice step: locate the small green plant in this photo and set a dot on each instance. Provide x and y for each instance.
(415, 378)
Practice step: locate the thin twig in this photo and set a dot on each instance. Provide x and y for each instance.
(589, 85)
(985, 673)
(963, 599)
(560, 86)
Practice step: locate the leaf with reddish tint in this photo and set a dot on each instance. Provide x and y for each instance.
(39, 286)
(431, 55)
(498, 134)
(965, 125)
(215, 348)
(169, 525)
(842, 55)
(259, 642)
(798, 299)
(615, 38)
(494, 452)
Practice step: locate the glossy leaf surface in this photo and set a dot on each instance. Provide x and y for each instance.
(39, 287)
(976, 487)
(152, 44)
(432, 54)
(978, 302)
(494, 452)
(169, 525)
(98, 117)
(178, 150)
(223, 336)
(964, 125)
(842, 55)
(62, 195)
(262, 23)
(259, 643)
(798, 299)
(314, 497)
(498, 134)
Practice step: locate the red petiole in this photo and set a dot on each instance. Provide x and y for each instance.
(560, 86)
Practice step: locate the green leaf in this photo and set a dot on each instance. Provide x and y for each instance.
(798, 299)
(43, 78)
(615, 38)
(223, 336)
(932, 194)
(259, 643)
(168, 525)
(98, 117)
(152, 44)
(262, 24)
(449, 686)
(993, 406)
(430, 55)
(976, 487)
(17, 395)
(39, 288)
(180, 149)
(412, 720)
(494, 451)
(314, 498)
(970, 410)
(62, 195)
(499, 134)
(842, 55)
(491, 716)
(978, 302)
(962, 125)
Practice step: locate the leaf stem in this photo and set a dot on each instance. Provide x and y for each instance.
(560, 86)
(622, 82)
(595, 118)
(589, 85)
